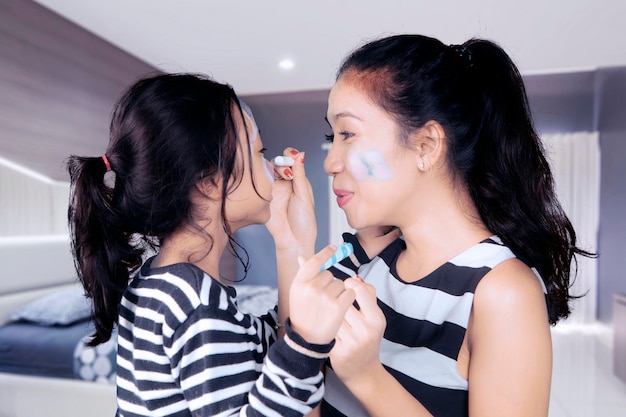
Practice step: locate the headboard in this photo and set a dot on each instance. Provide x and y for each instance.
(33, 266)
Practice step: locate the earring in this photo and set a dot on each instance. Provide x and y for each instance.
(421, 165)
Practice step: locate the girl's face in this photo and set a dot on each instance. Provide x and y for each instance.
(249, 203)
(373, 175)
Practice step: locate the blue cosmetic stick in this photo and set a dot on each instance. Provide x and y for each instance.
(343, 251)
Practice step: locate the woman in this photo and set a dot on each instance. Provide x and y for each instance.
(438, 141)
(184, 169)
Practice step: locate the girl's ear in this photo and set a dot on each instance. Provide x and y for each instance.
(430, 143)
(208, 188)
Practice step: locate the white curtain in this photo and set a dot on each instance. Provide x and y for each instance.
(31, 204)
(575, 161)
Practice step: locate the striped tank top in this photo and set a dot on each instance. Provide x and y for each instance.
(426, 325)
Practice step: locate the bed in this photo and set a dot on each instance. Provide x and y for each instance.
(46, 368)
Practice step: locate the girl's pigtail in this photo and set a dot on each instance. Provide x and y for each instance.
(103, 253)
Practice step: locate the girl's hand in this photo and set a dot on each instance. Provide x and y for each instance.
(318, 301)
(292, 223)
(357, 346)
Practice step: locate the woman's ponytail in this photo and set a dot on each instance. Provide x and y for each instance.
(511, 181)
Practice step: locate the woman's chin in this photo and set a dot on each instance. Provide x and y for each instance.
(356, 224)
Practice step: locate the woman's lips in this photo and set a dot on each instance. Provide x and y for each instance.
(343, 197)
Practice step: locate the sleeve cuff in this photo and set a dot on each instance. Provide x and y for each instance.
(297, 343)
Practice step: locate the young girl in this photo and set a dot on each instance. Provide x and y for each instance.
(438, 140)
(184, 169)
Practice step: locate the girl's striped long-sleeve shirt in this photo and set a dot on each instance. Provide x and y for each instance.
(185, 349)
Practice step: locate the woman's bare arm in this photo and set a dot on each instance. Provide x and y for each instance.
(510, 345)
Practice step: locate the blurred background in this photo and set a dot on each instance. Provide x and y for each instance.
(63, 63)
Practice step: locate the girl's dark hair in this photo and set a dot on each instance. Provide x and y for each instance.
(476, 93)
(167, 133)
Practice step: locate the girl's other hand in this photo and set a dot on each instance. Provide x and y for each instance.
(357, 347)
(318, 301)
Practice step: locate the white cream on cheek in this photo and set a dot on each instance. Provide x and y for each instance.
(247, 112)
(268, 168)
(368, 164)
(255, 131)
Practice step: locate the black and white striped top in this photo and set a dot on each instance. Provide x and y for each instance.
(185, 349)
(426, 324)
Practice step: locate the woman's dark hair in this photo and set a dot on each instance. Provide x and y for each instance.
(167, 133)
(475, 92)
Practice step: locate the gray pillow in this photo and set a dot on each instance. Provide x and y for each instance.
(60, 308)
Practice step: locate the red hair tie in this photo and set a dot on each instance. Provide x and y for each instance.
(106, 162)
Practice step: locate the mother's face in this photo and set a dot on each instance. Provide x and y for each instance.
(373, 174)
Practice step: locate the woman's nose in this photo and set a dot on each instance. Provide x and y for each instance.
(333, 163)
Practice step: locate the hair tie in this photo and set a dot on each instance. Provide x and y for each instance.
(463, 53)
(106, 162)
(109, 175)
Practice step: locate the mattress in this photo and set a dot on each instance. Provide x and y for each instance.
(31, 349)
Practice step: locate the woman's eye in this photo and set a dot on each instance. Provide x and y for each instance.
(263, 150)
(346, 136)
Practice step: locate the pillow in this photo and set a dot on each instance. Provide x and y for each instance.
(256, 299)
(60, 308)
(99, 363)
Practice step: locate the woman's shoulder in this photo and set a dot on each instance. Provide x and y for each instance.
(489, 253)
(508, 274)
(510, 288)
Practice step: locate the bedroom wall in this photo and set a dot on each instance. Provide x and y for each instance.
(57, 81)
(31, 204)
(611, 122)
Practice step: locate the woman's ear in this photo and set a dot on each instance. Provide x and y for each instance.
(430, 143)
